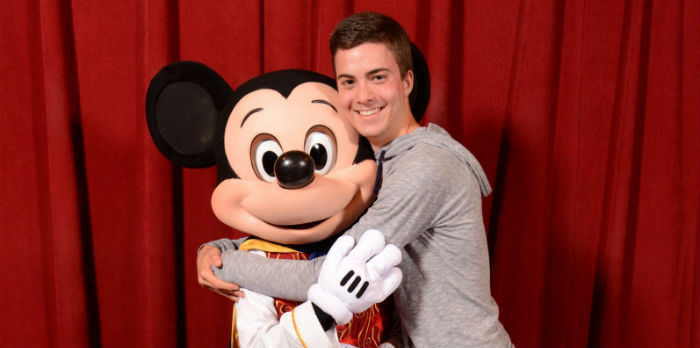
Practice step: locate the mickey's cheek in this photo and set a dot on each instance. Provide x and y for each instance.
(226, 200)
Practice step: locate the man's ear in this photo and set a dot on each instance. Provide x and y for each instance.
(420, 94)
(408, 82)
(183, 107)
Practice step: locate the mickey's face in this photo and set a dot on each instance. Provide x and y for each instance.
(294, 157)
(291, 168)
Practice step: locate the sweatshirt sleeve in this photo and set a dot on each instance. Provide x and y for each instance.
(413, 194)
(292, 278)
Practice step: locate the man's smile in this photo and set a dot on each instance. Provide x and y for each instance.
(369, 112)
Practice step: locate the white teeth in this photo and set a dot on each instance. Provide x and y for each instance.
(368, 112)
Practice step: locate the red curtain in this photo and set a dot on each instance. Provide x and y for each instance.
(584, 114)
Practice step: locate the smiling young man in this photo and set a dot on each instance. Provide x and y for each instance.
(429, 203)
(375, 89)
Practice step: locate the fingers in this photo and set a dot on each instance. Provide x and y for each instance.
(207, 257)
(371, 242)
(204, 273)
(339, 249)
(208, 278)
(231, 291)
(381, 263)
(239, 293)
(216, 260)
(231, 295)
(210, 257)
(392, 281)
(222, 285)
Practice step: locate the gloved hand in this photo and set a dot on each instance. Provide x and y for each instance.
(353, 280)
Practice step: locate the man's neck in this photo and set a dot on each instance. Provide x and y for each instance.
(377, 142)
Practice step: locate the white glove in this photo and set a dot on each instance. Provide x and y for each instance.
(353, 280)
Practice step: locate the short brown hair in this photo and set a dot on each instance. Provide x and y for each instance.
(373, 27)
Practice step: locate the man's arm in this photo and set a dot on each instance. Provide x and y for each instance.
(289, 279)
(410, 199)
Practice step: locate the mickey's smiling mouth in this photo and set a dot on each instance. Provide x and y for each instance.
(305, 226)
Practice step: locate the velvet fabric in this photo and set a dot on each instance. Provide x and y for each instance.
(584, 114)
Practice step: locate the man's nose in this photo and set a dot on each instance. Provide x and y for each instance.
(364, 93)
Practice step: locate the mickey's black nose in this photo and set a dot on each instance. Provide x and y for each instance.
(294, 170)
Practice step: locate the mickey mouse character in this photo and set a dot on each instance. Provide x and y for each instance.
(293, 173)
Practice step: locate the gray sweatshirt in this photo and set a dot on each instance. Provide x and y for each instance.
(429, 205)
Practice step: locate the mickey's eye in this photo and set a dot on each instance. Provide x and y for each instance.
(264, 152)
(321, 146)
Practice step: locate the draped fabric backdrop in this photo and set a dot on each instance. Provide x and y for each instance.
(584, 114)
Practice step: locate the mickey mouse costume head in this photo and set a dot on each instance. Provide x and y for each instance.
(290, 167)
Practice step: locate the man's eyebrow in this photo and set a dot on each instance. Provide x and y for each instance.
(321, 101)
(344, 76)
(370, 73)
(378, 70)
(248, 115)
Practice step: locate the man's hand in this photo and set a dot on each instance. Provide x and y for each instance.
(353, 279)
(210, 256)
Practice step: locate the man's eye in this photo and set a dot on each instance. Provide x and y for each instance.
(347, 82)
(379, 77)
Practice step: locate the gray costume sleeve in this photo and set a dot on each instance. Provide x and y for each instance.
(413, 189)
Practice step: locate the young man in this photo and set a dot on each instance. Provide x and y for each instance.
(429, 203)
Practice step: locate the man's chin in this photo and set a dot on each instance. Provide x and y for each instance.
(368, 130)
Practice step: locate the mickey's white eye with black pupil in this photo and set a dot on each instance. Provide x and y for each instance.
(268, 161)
(266, 153)
(321, 147)
(319, 154)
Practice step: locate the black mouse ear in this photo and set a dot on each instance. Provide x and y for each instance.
(182, 110)
(420, 95)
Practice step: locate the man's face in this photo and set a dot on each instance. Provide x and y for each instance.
(371, 88)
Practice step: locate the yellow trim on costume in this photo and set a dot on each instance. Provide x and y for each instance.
(259, 244)
(234, 330)
(294, 321)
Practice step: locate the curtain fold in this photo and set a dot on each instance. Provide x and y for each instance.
(584, 114)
